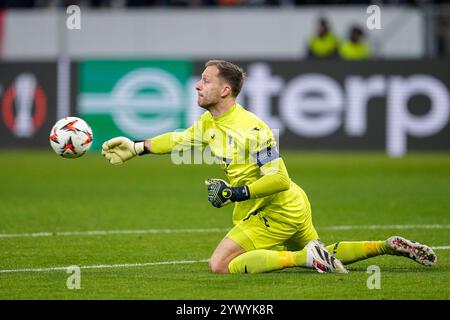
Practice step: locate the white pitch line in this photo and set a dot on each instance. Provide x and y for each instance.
(389, 226)
(212, 230)
(133, 265)
(105, 266)
(108, 232)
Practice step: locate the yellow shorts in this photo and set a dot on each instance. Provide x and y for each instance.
(265, 229)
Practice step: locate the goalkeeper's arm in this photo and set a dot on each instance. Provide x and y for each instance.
(274, 180)
(120, 149)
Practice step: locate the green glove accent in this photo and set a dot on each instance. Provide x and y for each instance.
(220, 193)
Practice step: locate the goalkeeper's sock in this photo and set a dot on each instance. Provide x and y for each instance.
(352, 251)
(258, 261)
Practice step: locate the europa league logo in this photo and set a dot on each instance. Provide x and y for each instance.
(24, 106)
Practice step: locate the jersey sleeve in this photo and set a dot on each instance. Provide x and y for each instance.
(275, 179)
(264, 152)
(179, 141)
(262, 146)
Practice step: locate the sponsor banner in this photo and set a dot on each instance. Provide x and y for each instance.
(396, 106)
(27, 103)
(134, 98)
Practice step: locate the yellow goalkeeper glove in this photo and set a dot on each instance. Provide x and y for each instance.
(120, 149)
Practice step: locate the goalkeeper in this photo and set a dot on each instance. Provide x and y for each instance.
(271, 211)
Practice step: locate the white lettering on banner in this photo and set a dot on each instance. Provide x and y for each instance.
(259, 87)
(359, 91)
(127, 102)
(400, 122)
(311, 105)
(316, 95)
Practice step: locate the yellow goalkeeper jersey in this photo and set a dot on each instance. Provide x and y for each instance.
(247, 150)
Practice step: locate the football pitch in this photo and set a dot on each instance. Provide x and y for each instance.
(144, 230)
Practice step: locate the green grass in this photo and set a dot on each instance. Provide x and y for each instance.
(41, 192)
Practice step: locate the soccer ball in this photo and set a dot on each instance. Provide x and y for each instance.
(71, 137)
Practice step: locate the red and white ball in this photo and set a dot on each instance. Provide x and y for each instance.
(71, 137)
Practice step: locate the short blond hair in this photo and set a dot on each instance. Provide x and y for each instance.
(231, 73)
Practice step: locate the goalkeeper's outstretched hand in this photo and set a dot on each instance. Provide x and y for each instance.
(120, 149)
(220, 193)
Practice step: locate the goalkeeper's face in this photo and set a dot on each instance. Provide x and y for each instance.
(211, 88)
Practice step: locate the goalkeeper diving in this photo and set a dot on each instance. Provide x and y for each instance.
(273, 226)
